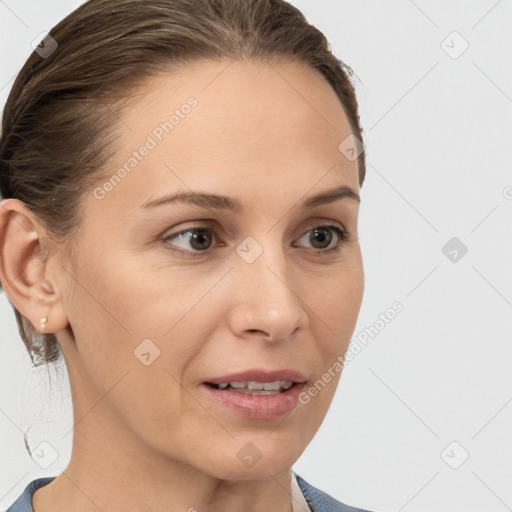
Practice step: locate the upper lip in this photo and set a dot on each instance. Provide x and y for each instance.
(259, 375)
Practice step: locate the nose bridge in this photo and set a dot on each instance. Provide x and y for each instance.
(264, 263)
(265, 299)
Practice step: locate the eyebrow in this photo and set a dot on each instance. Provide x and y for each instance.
(221, 202)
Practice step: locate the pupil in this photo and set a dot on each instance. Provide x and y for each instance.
(320, 236)
(198, 236)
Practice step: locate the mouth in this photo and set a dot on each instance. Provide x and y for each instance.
(257, 394)
(253, 387)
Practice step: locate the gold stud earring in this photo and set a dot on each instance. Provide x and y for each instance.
(44, 320)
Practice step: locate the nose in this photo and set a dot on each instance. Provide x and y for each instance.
(266, 302)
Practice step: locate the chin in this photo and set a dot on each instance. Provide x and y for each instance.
(255, 460)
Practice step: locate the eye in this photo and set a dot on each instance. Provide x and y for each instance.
(198, 239)
(321, 237)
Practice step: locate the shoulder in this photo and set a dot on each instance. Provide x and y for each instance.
(320, 501)
(24, 501)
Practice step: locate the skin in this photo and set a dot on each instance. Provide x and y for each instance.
(148, 438)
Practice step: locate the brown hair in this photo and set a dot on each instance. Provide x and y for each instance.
(60, 120)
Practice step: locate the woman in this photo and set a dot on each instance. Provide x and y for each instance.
(180, 184)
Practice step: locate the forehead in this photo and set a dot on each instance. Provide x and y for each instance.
(252, 123)
(250, 99)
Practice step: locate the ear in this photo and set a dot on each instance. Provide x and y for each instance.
(29, 267)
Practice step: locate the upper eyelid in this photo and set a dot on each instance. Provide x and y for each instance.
(211, 224)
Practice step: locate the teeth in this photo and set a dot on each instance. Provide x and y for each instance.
(255, 385)
(238, 384)
(258, 386)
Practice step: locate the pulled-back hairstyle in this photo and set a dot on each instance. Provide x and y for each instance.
(60, 121)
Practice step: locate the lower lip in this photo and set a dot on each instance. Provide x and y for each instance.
(264, 407)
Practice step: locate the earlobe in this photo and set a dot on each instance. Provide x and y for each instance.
(44, 321)
(25, 267)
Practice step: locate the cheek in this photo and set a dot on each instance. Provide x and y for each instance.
(133, 353)
(336, 305)
(125, 314)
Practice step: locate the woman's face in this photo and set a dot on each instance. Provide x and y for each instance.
(170, 295)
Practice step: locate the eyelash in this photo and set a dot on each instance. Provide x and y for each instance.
(341, 233)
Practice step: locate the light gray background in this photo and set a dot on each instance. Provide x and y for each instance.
(438, 133)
